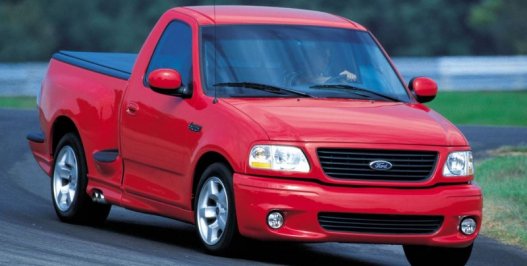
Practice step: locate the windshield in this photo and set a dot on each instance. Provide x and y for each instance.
(246, 60)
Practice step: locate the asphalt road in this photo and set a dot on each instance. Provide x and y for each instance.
(31, 234)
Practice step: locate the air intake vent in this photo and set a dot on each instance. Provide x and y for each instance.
(379, 223)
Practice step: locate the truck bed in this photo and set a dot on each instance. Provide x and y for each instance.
(118, 65)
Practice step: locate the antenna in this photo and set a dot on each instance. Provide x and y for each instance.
(215, 100)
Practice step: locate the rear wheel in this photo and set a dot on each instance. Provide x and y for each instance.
(68, 185)
(215, 214)
(425, 255)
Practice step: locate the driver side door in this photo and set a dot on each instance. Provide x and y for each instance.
(155, 141)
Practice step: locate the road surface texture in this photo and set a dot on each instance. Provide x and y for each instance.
(31, 234)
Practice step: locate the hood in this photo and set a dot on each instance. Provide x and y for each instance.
(353, 121)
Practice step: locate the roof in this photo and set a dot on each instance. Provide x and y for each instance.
(226, 14)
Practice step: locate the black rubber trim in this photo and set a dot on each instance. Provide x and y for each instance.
(106, 156)
(37, 137)
(97, 62)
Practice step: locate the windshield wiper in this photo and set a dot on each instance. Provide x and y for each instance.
(353, 88)
(262, 87)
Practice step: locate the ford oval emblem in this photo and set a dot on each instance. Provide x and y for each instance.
(381, 165)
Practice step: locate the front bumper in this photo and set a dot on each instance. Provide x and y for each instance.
(301, 202)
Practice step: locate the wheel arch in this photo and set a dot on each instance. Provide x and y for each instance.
(61, 127)
(204, 161)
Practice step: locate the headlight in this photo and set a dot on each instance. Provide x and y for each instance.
(280, 158)
(459, 164)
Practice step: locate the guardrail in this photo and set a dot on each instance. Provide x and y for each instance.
(464, 73)
(468, 72)
(21, 79)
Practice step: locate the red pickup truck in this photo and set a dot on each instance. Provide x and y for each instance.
(259, 122)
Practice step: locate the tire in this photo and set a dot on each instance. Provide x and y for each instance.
(425, 255)
(216, 224)
(68, 185)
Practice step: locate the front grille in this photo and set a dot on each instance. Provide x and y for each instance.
(380, 223)
(355, 164)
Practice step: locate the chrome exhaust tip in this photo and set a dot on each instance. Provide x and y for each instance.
(98, 197)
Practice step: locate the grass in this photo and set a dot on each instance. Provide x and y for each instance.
(483, 108)
(503, 179)
(25, 102)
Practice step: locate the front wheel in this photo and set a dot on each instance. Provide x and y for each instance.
(68, 185)
(215, 213)
(425, 255)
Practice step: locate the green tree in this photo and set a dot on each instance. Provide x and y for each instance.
(24, 33)
(504, 23)
(34, 29)
(404, 27)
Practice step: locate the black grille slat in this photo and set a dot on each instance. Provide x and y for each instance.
(376, 177)
(373, 171)
(415, 228)
(327, 163)
(394, 154)
(368, 224)
(379, 223)
(354, 164)
(377, 158)
(384, 219)
(384, 231)
(362, 157)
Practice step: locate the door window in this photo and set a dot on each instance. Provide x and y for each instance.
(174, 50)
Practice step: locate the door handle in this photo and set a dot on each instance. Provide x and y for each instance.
(132, 108)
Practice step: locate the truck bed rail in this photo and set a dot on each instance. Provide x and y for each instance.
(118, 65)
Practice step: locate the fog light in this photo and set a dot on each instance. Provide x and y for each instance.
(468, 226)
(275, 219)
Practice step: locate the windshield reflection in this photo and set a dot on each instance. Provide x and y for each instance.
(298, 58)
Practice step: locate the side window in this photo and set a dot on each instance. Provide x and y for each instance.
(174, 50)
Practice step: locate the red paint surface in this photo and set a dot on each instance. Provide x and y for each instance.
(164, 79)
(424, 87)
(158, 155)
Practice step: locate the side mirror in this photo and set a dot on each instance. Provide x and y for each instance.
(425, 89)
(167, 81)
